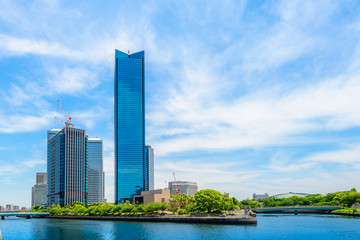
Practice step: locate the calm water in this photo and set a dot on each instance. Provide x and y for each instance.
(277, 226)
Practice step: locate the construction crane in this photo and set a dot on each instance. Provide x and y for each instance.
(67, 117)
(177, 189)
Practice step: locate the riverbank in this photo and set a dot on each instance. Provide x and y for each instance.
(171, 219)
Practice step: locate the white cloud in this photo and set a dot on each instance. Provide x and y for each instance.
(349, 155)
(259, 119)
(23, 123)
(18, 46)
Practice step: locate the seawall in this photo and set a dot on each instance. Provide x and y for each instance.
(187, 219)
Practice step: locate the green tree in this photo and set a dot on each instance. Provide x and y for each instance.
(254, 204)
(209, 199)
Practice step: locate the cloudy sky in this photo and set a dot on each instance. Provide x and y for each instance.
(241, 96)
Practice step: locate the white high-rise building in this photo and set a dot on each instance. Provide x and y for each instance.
(38, 193)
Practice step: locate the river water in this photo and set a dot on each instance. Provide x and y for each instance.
(274, 226)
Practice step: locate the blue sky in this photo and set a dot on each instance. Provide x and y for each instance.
(241, 96)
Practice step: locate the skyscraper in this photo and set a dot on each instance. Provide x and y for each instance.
(95, 165)
(149, 168)
(38, 191)
(67, 166)
(129, 125)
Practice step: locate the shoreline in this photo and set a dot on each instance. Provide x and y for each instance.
(314, 212)
(204, 220)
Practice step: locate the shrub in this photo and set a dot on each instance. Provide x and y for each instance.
(182, 212)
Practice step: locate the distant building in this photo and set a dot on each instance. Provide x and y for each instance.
(9, 207)
(39, 190)
(67, 172)
(95, 165)
(2, 208)
(260, 196)
(24, 209)
(149, 168)
(16, 208)
(159, 195)
(290, 194)
(189, 188)
(129, 125)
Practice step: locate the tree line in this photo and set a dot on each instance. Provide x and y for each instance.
(205, 201)
(344, 198)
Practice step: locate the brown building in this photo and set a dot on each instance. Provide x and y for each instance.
(159, 195)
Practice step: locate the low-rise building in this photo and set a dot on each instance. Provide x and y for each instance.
(16, 208)
(9, 207)
(2, 208)
(189, 188)
(158, 195)
(260, 196)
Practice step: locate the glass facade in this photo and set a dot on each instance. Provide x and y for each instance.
(149, 168)
(67, 169)
(129, 125)
(95, 160)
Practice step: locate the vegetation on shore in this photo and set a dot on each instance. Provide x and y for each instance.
(205, 202)
(347, 199)
(344, 198)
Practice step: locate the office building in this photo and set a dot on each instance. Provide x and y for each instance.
(189, 188)
(149, 168)
(103, 193)
(129, 125)
(2, 208)
(67, 172)
(39, 190)
(95, 165)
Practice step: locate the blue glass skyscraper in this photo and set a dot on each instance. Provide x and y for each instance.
(129, 125)
(95, 170)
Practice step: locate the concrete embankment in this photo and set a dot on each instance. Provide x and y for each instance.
(189, 219)
(347, 214)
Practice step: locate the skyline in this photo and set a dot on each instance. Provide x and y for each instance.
(242, 97)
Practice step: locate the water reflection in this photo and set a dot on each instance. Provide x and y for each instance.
(274, 226)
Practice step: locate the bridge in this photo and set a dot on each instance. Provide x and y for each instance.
(296, 209)
(27, 215)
